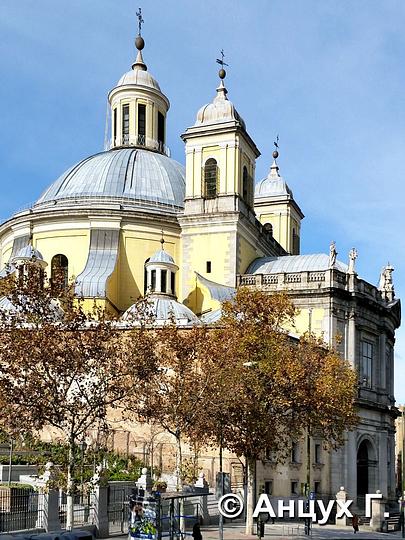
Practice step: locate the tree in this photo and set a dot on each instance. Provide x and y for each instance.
(175, 396)
(63, 367)
(267, 388)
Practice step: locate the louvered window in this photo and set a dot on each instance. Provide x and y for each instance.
(210, 179)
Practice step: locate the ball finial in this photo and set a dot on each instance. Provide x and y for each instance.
(275, 154)
(139, 43)
(222, 73)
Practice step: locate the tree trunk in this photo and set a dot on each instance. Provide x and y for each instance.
(251, 495)
(182, 521)
(70, 486)
(308, 480)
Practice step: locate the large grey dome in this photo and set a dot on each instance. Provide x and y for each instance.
(129, 175)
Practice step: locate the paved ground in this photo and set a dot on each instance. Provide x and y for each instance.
(289, 532)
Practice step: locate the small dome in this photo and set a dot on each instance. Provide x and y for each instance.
(6, 306)
(161, 256)
(273, 185)
(139, 77)
(220, 110)
(28, 252)
(162, 311)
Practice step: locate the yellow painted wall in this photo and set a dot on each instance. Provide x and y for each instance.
(247, 253)
(205, 246)
(230, 150)
(6, 254)
(73, 244)
(283, 218)
(303, 317)
(135, 247)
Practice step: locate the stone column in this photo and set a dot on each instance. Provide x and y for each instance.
(48, 501)
(382, 467)
(377, 513)
(158, 280)
(148, 279)
(342, 496)
(48, 511)
(351, 463)
(351, 338)
(202, 486)
(100, 511)
(145, 480)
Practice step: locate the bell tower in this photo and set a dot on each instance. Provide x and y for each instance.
(220, 158)
(220, 233)
(277, 209)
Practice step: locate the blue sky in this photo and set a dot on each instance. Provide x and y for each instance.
(327, 75)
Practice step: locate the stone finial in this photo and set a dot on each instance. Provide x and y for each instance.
(352, 261)
(332, 254)
(145, 480)
(201, 482)
(386, 286)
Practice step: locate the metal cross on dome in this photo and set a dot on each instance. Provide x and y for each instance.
(221, 60)
(140, 20)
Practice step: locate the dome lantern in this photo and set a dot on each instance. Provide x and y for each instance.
(161, 273)
(138, 107)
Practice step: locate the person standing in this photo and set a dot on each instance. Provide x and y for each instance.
(355, 523)
(197, 532)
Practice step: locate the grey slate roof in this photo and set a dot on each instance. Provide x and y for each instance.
(131, 174)
(18, 243)
(103, 253)
(28, 252)
(293, 263)
(161, 256)
(162, 309)
(217, 291)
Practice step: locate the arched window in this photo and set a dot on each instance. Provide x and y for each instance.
(163, 281)
(59, 271)
(125, 124)
(245, 186)
(211, 177)
(295, 243)
(173, 282)
(153, 280)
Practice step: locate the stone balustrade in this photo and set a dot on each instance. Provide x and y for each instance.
(322, 279)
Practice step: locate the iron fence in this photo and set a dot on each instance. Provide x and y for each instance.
(83, 507)
(118, 508)
(20, 509)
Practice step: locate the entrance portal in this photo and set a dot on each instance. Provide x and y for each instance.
(363, 466)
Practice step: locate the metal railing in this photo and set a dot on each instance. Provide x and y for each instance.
(141, 140)
(20, 509)
(83, 510)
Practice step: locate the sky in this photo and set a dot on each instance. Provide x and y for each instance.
(328, 76)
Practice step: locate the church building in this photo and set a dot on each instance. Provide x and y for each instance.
(130, 221)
